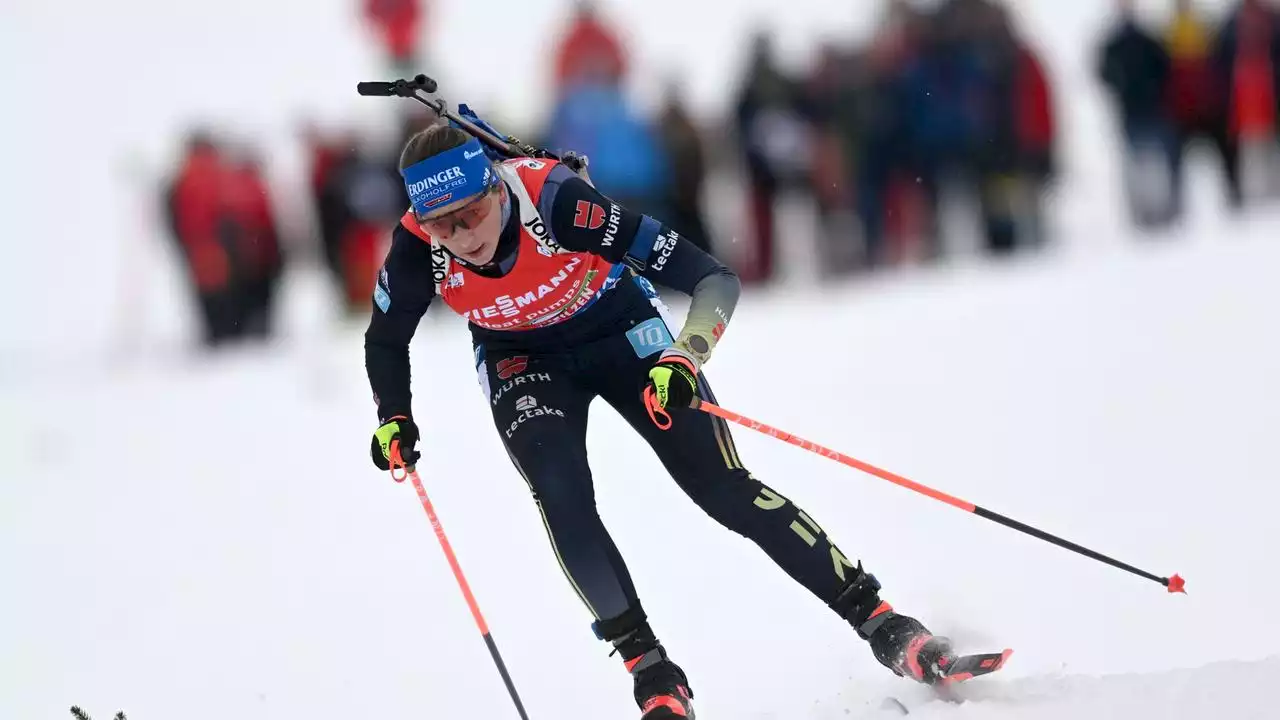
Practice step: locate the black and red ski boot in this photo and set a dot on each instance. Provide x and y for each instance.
(907, 648)
(661, 688)
(904, 645)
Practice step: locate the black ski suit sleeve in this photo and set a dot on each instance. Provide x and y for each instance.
(403, 294)
(585, 220)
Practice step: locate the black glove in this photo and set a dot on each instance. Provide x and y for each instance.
(397, 428)
(673, 381)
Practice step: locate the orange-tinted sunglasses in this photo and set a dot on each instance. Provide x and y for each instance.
(468, 216)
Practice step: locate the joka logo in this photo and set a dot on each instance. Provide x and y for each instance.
(512, 366)
(588, 215)
(528, 402)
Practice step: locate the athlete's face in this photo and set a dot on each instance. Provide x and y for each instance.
(469, 228)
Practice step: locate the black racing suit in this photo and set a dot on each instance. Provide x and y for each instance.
(541, 382)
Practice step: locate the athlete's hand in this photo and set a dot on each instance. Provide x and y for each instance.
(397, 428)
(673, 380)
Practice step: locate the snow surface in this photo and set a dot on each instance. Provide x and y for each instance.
(185, 538)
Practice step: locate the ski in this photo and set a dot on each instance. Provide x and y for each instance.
(958, 669)
(966, 667)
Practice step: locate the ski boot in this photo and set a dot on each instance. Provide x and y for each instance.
(661, 688)
(904, 645)
(907, 647)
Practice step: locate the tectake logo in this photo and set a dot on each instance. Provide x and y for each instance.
(664, 244)
(530, 409)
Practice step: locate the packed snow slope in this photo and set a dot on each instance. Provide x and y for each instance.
(207, 539)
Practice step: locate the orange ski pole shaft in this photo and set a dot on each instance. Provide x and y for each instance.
(398, 463)
(1174, 583)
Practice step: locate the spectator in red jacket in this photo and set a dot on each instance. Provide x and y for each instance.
(221, 218)
(397, 23)
(195, 211)
(589, 52)
(257, 249)
(1189, 39)
(1245, 59)
(1036, 129)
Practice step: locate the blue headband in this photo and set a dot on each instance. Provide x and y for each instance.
(452, 175)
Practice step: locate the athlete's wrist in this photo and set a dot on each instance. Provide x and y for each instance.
(677, 353)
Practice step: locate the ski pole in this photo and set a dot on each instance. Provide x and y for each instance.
(1174, 583)
(398, 463)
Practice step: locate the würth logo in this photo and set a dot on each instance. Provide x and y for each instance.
(588, 215)
(512, 366)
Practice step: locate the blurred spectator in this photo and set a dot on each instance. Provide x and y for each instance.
(975, 108)
(364, 195)
(330, 212)
(1189, 39)
(774, 140)
(221, 220)
(1136, 69)
(398, 24)
(193, 202)
(592, 116)
(883, 157)
(589, 53)
(627, 160)
(1035, 125)
(686, 160)
(1244, 63)
(1195, 108)
(358, 196)
(257, 242)
(825, 94)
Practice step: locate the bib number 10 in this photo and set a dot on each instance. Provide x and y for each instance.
(649, 337)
